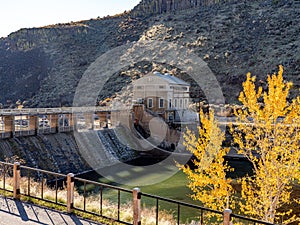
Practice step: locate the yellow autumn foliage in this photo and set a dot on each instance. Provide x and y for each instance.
(266, 131)
(208, 180)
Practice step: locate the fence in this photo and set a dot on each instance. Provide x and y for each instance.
(17, 180)
(22, 185)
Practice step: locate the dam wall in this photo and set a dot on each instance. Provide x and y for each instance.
(54, 152)
(62, 153)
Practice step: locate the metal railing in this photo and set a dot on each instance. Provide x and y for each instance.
(36, 111)
(178, 207)
(45, 180)
(31, 182)
(202, 212)
(6, 173)
(114, 211)
(24, 133)
(61, 189)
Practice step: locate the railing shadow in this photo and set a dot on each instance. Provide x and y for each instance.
(21, 210)
(17, 212)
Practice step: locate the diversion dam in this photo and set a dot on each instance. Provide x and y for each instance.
(59, 152)
(46, 138)
(54, 152)
(67, 140)
(77, 140)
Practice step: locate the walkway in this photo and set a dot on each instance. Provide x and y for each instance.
(13, 212)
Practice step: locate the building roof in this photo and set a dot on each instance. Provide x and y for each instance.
(171, 79)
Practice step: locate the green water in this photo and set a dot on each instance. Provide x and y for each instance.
(175, 187)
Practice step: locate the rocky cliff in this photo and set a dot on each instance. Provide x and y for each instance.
(151, 7)
(42, 66)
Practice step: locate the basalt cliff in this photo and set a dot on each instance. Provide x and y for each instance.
(41, 67)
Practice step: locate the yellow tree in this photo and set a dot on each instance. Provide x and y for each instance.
(267, 133)
(208, 179)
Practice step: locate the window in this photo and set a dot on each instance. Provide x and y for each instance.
(139, 87)
(170, 116)
(2, 124)
(186, 103)
(170, 103)
(175, 103)
(180, 103)
(161, 87)
(184, 88)
(140, 101)
(179, 88)
(150, 102)
(161, 103)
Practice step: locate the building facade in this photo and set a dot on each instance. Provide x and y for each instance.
(163, 94)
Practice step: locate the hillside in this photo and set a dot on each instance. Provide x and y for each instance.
(43, 66)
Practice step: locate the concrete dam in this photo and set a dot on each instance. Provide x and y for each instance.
(66, 140)
(54, 152)
(50, 139)
(60, 152)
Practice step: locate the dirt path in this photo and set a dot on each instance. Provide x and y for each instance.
(14, 212)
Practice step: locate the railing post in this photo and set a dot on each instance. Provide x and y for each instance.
(227, 217)
(136, 206)
(17, 177)
(70, 192)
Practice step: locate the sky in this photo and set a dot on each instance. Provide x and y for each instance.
(17, 14)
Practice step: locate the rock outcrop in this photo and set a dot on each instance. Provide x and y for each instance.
(42, 66)
(150, 7)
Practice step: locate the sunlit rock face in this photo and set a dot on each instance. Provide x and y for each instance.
(42, 67)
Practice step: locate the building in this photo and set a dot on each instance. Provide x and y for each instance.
(162, 94)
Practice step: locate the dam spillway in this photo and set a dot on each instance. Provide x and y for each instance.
(46, 138)
(64, 153)
(69, 139)
(55, 152)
